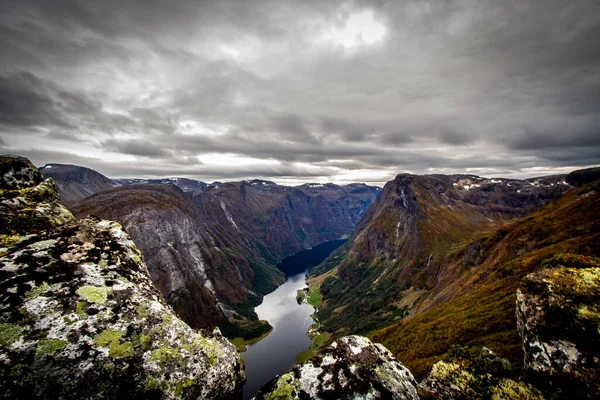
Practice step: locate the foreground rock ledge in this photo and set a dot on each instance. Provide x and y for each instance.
(351, 368)
(80, 318)
(558, 317)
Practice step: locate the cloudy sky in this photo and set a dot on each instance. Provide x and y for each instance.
(297, 91)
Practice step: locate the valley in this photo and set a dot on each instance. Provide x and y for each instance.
(212, 250)
(430, 268)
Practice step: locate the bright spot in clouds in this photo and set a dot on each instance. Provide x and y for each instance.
(360, 28)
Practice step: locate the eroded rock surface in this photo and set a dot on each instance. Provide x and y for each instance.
(485, 376)
(351, 368)
(558, 317)
(79, 315)
(28, 203)
(80, 318)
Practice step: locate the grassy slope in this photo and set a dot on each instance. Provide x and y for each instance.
(480, 309)
(368, 290)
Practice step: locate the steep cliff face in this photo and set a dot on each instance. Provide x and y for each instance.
(212, 252)
(182, 249)
(80, 317)
(75, 183)
(351, 368)
(394, 262)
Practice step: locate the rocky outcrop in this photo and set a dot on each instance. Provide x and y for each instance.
(80, 317)
(28, 203)
(485, 376)
(350, 368)
(75, 183)
(558, 317)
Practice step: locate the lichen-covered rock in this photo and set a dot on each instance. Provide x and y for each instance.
(80, 318)
(28, 203)
(558, 318)
(462, 376)
(351, 368)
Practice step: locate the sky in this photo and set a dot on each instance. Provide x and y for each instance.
(302, 91)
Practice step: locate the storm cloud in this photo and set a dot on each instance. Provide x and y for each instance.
(302, 91)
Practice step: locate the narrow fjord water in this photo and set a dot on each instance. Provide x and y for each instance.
(277, 352)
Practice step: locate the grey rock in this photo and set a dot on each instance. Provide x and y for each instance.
(480, 377)
(350, 368)
(558, 318)
(79, 315)
(80, 318)
(28, 203)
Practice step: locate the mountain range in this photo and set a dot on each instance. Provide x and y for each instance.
(212, 250)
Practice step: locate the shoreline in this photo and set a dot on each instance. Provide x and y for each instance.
(241, 343)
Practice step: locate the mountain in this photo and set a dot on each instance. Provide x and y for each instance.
(212, 252)
(438, 259)
(185, 184)
(75, 183)
(404, 238)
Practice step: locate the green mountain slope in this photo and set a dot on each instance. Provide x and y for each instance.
(393, 263)
(477, 307)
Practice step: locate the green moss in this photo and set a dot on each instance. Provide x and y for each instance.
(18, 370)
(117, 350)
(79, 309)
(38, 290)
(151, 384)
(142, 311)
(50, 346)
(144, 341)
(112, 339)
(509, 389)
(283, 389)
(9, 333)
(164, 354)
(94, 294)
(107, 336)
(167, 319)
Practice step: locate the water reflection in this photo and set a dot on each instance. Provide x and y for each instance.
(277, 352)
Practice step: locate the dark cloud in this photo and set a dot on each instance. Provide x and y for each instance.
(143, 148)
(24, 102)
(489, 86)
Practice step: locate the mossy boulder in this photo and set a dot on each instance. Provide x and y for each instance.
(465, 376)
(28, 203)
(79, 315)
(558, 318)
(351, 368)
(80, 318)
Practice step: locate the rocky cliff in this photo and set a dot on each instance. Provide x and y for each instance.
(350, 368)
(80, 317)
(28, 202)
(558, 317)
